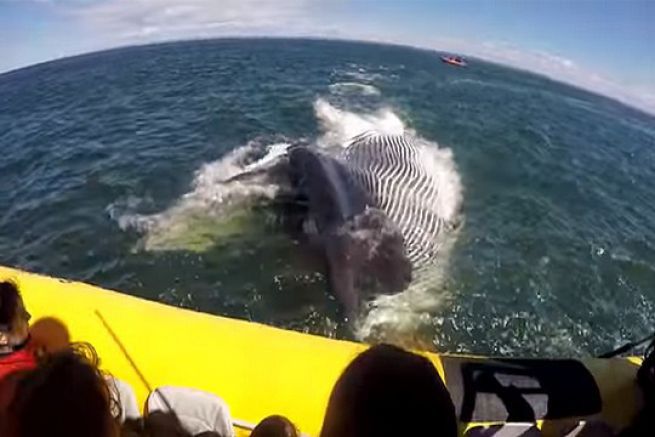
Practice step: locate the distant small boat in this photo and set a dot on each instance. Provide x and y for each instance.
(454, 60)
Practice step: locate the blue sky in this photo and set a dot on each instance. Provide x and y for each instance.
(607, 46)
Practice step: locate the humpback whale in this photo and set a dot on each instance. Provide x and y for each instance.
(374, 210)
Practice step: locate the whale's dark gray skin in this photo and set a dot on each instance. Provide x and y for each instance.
(332, 196)
(363, 249)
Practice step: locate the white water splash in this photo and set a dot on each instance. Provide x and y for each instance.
(339, 125)
(397, 318)
(440, 165)
(347, 88)
(274, 151)
(193, 222)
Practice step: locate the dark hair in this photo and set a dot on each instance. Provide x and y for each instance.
(65, 395)
(9, 296)
(387, 391)
(275, 426)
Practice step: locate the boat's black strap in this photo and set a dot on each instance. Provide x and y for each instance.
(520, 390)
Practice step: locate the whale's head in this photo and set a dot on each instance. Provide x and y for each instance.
(364, 251)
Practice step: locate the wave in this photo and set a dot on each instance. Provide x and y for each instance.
(512, 88)
(362, 75)
(348, 88)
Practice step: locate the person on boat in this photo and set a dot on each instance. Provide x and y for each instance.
(64, 395)
(185, 412)
(188, 412)
(275, 426)
(387, 391)
(15, 351)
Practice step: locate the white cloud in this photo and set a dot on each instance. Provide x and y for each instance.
(566, 70)
(139, 21)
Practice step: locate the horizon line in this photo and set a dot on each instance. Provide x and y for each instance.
(650, 112)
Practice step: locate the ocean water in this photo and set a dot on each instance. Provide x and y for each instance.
(114, 167)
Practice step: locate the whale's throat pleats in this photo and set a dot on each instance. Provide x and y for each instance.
(391, 170)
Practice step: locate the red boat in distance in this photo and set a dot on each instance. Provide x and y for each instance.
(457, 61)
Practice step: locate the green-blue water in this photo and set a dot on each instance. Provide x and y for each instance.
(109, 161)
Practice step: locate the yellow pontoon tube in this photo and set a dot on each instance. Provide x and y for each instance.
(259, 370)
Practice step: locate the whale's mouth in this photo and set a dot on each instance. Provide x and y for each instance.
(366, 257)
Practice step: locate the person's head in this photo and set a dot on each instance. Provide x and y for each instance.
(14, 318)
(386, 391)
(67, 395)
(275, 426)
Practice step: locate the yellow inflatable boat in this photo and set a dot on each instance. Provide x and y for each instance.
(260, 370)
